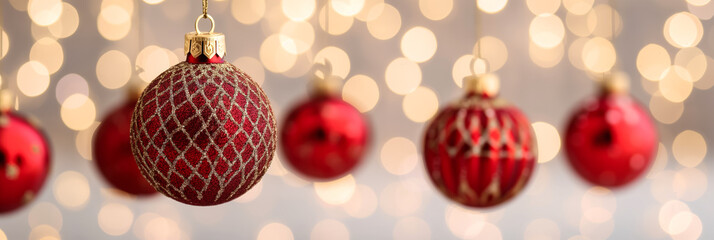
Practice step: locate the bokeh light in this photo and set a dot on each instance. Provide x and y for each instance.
(33, 78)
(338, 24)
(252, 67)
(683, 29)
(419, 44)
(347, 7)
(693, 60)
(652, 61)
(362, 92)
(330, 229)
(44, 12)
(548, 141)
(114, 22)
(599, 55)
(546, 57)
(48, 52)
(665, 111)
(152, 61)
(538, 7)
(676, 84)
(248, 11)
(399, 156)
(493, 51)
(115, 219)
(297, 37)
(436, 9)
(689, 148)
(363, 202)
(547, 30)
(690, 184)
(578, 7)
(338, 58)
(383, 21)
(298, 10)
(71, 190)
(275, 231)
(274, 55)
(67, 23)
(337, 191)
(45, 213)
(580, 25)
(491, 6)
(403, 76)
(113, 69)
(78, 112)
(420, 105)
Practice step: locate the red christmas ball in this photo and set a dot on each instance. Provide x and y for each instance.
(610, 140)
(203, 132)
(479, 151)
(112, 152)
(324, 137)
(24, 161)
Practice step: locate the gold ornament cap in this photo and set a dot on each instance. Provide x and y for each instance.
(323, 82)
(208, 44)
(486, 85)
(615, 82)
(6, 100)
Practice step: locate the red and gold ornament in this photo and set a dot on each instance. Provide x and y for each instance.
(610, 139)
(112, 151)
(24, 159)
(203, 132)
(324, 137)
(480, 150)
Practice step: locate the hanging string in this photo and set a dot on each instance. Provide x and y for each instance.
(478, 26)
(478, 30)
(205, 8)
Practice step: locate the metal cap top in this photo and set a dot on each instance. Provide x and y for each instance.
(207, 44)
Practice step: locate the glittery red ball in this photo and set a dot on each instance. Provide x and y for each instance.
(610, 140)
(203, 134)
(479, 151)
(24, 161)
(324, 138)
(112, 152)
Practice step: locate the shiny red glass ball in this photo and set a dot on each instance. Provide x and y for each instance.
(24, 161)
(610, 140)
(479, 151)
(112, 152)
(203, 133)
(324, 138)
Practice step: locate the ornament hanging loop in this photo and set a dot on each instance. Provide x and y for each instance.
(208, 16)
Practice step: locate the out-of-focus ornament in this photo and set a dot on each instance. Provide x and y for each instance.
(112, 150)
(324, 137)
(203, 132)
(610, 140)
(24, 158)
(480, 150)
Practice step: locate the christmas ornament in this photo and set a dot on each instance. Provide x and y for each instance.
(203, 132)
(324, 137)
(610, 140)
(24, 159)
(112, 151)
(480, 151)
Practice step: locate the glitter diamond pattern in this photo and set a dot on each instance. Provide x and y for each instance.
(203, 134)
(479, 152)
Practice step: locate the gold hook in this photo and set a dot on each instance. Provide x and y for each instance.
(213, 24)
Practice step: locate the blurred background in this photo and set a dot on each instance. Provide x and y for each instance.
(71, 62)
